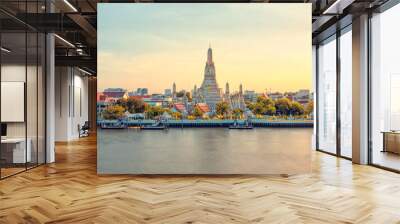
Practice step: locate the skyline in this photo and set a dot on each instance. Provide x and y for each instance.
(156, 45)
(232, 90)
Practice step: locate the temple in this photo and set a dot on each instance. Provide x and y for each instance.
(209, 90)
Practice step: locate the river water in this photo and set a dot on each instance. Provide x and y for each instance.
(204, 151)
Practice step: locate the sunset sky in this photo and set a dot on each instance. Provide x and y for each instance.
(262, 46)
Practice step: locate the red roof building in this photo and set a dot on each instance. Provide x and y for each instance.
(180, 107)
(101, 97)
(203, 107)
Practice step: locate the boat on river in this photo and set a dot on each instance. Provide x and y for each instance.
(241, 126)
(113, 125)
(157, 126)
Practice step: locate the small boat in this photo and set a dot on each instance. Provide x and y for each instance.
(113, 126)
(152, 127)
(241, 126)
(156, 126)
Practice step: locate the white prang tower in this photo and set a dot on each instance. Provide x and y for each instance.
(209, 88)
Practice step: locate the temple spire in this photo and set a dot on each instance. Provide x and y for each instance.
(227, 88)
(209, 55)
(174, 90)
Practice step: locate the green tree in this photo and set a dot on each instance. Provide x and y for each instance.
(189, 96)
(180, 93)
(258, 108)
(270, 110)
(283, 106)
(237, 113)
(154, 111)
(197, 112)
(177, 115)
(132, 105)
(123, 103)
(265, 101)
(222, 108)
(113, 112)
(310, 107)
(297, 108)
(135, 105)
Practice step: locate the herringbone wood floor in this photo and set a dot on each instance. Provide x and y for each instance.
(69, 191)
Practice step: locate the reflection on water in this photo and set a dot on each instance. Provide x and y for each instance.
(205, 151)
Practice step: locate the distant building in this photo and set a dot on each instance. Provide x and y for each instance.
(153, 102)
(117, 93)
(168, 92)
(142, 91)
(174, 90)
(180, 107)
(101, 96)
(275, 96)
(132, 93)
(203, 107)
(302, 96)
(250, 95)
(235, 100)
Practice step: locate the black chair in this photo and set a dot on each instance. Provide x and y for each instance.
(84, 130)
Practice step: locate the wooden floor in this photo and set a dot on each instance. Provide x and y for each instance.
(69, 191)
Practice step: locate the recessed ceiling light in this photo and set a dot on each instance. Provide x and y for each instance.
(5, 50)
(84, 71)
(64, 40)
(70, 5)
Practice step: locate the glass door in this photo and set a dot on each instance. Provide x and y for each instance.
(327, 95)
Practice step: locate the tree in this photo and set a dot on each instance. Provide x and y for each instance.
(122, 102)
(135, 105)
(154, 111)
(258, 108)
(113, 112)
(310, 107)
(263, 106)
(265, 101)
(132, 105)
(283, 106)
(297, 108)
(270, 110)
(197, 112)
(176, 115)
(237, 113)
(180, 93)
(189, 96)
(222, 108)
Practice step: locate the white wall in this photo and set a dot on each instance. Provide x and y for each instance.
(33, 126)
(71, 103)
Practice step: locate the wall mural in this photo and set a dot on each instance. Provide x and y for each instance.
(204, 88)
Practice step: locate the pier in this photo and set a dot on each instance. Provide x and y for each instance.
(261, 123)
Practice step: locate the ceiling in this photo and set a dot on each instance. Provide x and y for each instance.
(75, 21)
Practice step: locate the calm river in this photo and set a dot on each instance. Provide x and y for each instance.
(204, 151)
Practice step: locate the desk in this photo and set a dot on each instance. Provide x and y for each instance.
(18, 150)
(391, 141)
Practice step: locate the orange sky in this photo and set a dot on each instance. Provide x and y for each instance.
(262, 46)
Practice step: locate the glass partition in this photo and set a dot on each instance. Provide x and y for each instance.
(327, 95)
(346, 93)
(385, 89)
(22, 92)
(14, 153)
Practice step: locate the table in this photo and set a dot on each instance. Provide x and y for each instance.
(17, 149)
(391, 141)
